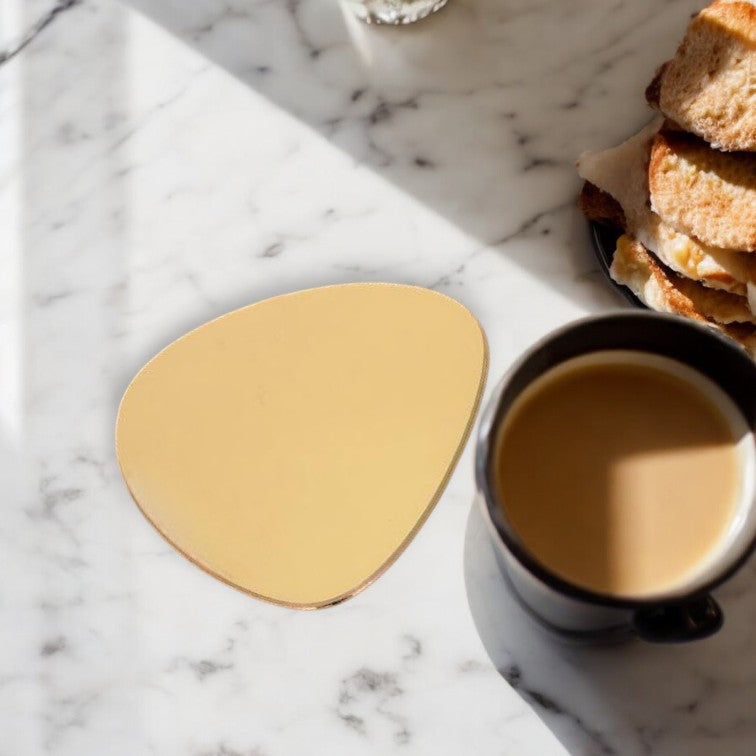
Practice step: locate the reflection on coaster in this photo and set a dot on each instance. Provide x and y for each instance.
(294, 447)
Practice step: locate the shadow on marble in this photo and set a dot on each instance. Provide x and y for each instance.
(629, 698)
(479, 111)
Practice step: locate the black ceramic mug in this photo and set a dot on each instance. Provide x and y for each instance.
(686, 612)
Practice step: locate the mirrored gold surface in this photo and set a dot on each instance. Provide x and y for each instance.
(293, 448)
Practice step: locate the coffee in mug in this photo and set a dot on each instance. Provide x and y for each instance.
(616, 473)
(620, 471)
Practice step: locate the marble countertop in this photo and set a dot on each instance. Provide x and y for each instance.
(163, 162)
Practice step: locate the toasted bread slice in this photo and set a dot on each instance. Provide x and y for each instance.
(719, 306)
(599, 206)
(622, 174)
(709, 87)
(685, 255)
(633, 266)
(690, 298)
(703, 192)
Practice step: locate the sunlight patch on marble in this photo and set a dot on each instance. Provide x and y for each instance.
(11, 253)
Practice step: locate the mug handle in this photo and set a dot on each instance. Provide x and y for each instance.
(688, 620)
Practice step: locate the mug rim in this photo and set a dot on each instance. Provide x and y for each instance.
(506, 537)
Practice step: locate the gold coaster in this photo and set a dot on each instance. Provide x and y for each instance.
(294, 447)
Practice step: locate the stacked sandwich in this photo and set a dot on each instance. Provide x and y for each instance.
(683, 190)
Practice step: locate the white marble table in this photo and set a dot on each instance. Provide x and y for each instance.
(158, 170)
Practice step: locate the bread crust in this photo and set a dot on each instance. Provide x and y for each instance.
(680, 295)
(709, 87)
(653, 90)
(704, 193)
(600, 207)
(622, 174)
(661, 290)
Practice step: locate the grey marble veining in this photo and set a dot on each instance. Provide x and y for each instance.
(628, 698)
(165, 162)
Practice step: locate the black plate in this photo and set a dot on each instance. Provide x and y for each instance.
(604, 243)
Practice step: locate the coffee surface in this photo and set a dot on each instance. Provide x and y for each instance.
(620, 478)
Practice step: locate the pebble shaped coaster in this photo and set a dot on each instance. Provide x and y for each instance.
(294, 447)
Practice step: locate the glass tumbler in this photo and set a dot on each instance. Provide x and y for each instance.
(393, 11)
